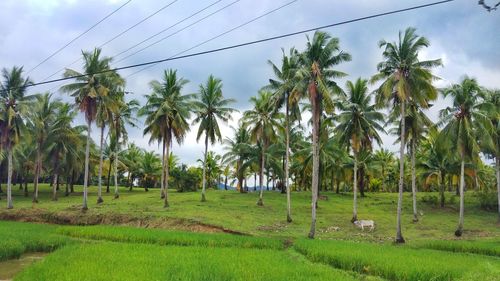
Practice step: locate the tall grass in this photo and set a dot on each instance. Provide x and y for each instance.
(484, 247)
(118, 261)
(400, 263)
(17, 238)
(162, 237)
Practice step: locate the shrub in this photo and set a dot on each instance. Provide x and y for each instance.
(430, 200)
(488, 200)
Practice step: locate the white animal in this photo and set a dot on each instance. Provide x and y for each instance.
(365, 223)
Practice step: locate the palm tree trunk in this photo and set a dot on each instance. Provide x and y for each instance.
(108, 179)
(54, 188)
(86, 176)
(413, 181)
(354, 189)
(497, 166)
(26, 186)
(99, 186)
(38, 168)
(261, 176)
(441, 189)
(162, 184)
(254, 181)
(117, 195)
(315, 103)
(204, 180)
(287, 160)
(66, 193)
(460, 227)
(9, 179)
(166, 205)
(72, 180)
(399, 235)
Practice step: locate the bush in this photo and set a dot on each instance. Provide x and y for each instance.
(488, 200)
(430, 200)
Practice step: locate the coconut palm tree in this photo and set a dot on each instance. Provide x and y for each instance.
(284, 87)
(405, 78)
(41, 119)
(262, 121)
(107, 105)
(210, 107)
(131, 158)
(87, 89)
(64, 142)
(493, 97)
(466, 122)
(383, 158)
(13, 101)
(357, 126)
(238, 149)
(316, 80)
(167, 112)
(122, 117)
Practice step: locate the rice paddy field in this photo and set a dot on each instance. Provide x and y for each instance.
(230, 238)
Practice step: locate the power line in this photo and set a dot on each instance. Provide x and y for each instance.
(247, 43)
(116, 36)
(172, 34)
(79, 36)
(175, 24)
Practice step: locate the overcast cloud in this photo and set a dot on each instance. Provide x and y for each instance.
(461, 33)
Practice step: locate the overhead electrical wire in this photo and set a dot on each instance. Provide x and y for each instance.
(78, 37)
(248, 43)
(116, 36)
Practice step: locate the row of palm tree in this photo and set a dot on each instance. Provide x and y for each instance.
(270, 140)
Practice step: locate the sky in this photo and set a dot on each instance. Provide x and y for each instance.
(462, 34)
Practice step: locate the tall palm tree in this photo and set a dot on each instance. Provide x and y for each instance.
(283, 86)
(210, 107)
(493, 97)
(405, 78)
(41, 121)
(316, 76)
(357, 126)
(87, 89)
(107, 106)
(131, 158)
(466, 122)
(262, 121)
(13, 101)
(124, 115)
(167, 111)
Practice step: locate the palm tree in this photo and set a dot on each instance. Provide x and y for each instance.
(321, 55)
(64, 142)
(121, 117)
(13, 109)
(87, 90)
(263, 123)
(107, 105)
(238, 149)
(210, 107)
(383, 158)
(167, 112)
(466, 122)
(405, 78)
(358, 125)
(41, 121)
(493, 97)
(283, 86)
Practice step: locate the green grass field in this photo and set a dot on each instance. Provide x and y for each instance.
(137, 239)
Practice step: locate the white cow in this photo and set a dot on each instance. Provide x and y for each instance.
(365, 223)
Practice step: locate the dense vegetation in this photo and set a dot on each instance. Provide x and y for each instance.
(334, 149)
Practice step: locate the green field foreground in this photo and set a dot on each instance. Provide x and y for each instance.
(127, 253)
(173, 243)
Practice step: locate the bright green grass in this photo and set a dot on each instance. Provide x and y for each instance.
(18, 238)
(118, 261)
(399, 262)
(238, 212)
(161, 237)
(483, 247)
